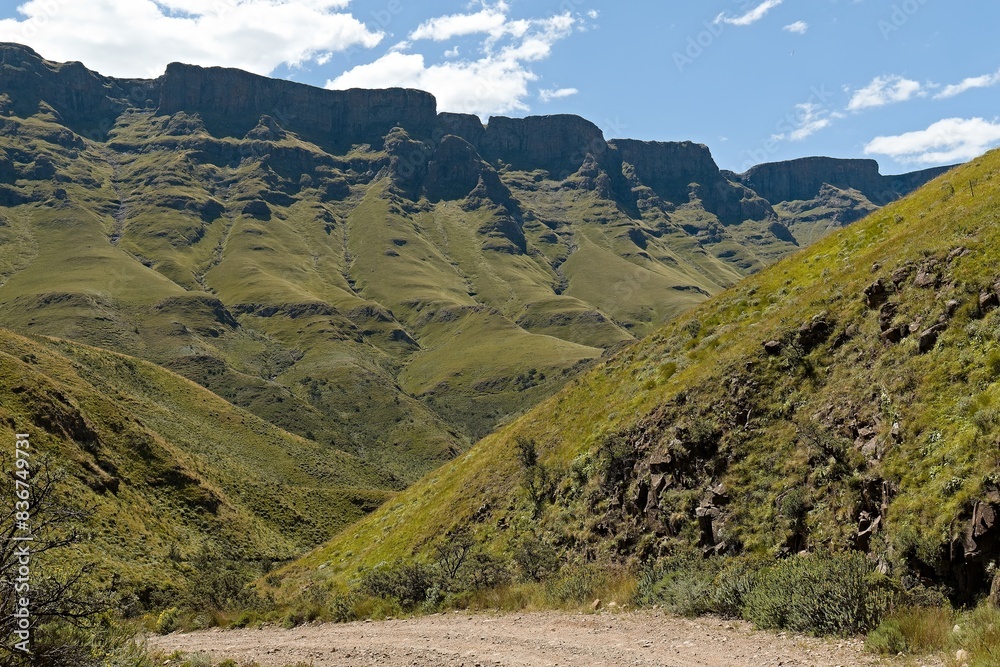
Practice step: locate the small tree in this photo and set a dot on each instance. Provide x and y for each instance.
(453, 551)
(536, 477)
(61, 603)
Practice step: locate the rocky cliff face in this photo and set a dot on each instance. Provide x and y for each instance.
(557, 144)
(231, 102)
(681, 171)
(669, 168)
(85, 101)
(237, 100)
(802, 179)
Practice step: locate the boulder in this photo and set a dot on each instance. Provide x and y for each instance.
(988, 301)
(773, 347)
(876, 294)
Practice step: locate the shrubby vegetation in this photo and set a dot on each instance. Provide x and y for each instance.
(75, 618)
(823, 594)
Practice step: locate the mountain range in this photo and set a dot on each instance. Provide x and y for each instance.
(348, 272)
(842, 400)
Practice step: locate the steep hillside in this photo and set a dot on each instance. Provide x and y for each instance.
(171, 470)
(353, 266)
(845, 398)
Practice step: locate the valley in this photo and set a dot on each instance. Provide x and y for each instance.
(298, 354)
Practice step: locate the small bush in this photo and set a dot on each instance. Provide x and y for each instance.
(407, 583)
(292, 619)
(575, 585)
(534, 558)
(887, 639)
(343, 608)
(820, 594)
(168, 621)
(733, 586)
(918, 630)
(684, 585)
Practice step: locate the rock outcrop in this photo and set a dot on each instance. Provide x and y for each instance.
(454, 170)
(84, 100)
(232, 100)
(803, 179)
(557, 144)
(680, 171)
(443, 156)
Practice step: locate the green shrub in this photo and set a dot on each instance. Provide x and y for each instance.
(575, 584)
(918, 630)
(343, 608)
(887, 639)
(535, 558)
(821, 594)
(732, 587)
(407, 583)
(167, 621)
(292, 619)
(684, 585)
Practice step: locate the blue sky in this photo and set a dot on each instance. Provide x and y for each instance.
(911, 83)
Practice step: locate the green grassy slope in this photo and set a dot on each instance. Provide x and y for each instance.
(868, 426)
(362, 291)
(305, 288)
(169, 468)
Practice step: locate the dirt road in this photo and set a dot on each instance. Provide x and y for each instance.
(641, 639)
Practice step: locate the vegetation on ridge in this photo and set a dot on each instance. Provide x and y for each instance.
(867, 423)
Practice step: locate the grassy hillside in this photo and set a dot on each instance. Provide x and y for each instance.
(393, 297)
(170, 470)
(869, 421)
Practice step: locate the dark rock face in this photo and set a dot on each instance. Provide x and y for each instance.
(454, 170)
(444, 156)
(669, 168)
(557, 144)
(803, 179)
(407, 161)
(8, 174)
(462, 125)
(267, 130)
(257, 209)
(876, 294)
(85, 101)
(678, 171)
(232, 99)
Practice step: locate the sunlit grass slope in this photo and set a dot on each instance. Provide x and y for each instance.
(879, 399)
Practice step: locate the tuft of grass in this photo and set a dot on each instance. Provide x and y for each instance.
(913, 630)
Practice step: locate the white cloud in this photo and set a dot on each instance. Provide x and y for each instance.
(799, 27)
(752, 16)
(490, 20)
(946, 141)
(884, 90)
(495, 83)
(137, 38)
(549, 94)
(486, 86)
(985, 81)
(810, 118)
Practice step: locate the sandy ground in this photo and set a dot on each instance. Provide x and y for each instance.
(640, 639)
